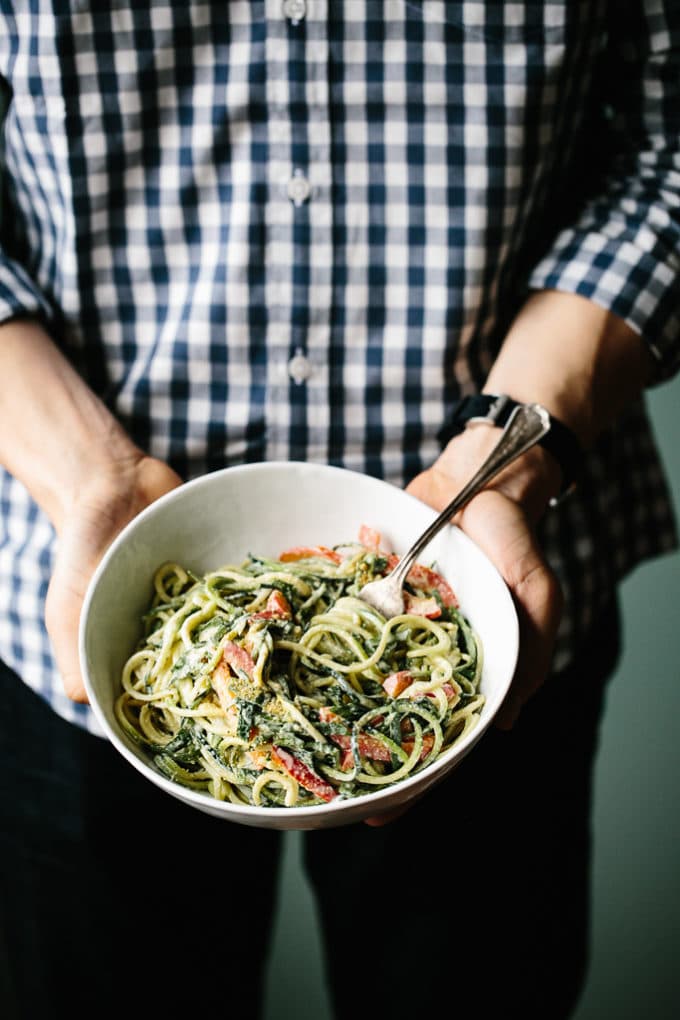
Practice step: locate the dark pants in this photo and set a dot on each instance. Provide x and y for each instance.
(118, 901)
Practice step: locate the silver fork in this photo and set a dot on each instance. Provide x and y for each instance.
(527, 424)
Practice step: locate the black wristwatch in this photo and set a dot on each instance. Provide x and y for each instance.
(495, 409)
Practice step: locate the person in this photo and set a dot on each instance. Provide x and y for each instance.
(297, 229)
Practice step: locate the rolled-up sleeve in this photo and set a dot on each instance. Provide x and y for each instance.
(19, 295)
(624, 250)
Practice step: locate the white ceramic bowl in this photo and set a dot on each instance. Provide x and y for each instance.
(265, 508)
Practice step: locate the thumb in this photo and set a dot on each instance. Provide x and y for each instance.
(497, 525)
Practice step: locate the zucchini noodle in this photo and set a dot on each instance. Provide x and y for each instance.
(272, 683)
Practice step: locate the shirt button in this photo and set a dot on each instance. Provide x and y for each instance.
(299, 189)
(300, 368)
(295, 10)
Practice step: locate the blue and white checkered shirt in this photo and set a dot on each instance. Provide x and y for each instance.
(300, 228)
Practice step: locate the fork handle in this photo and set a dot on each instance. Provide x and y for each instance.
(526, 425)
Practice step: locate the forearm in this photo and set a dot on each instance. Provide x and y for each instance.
(582, 363)
(55, 434)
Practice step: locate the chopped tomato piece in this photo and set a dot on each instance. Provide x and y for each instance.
(369, 747)
(395, 683)
(369, 537)
(422, 606)
(428, 743)
(424, 577)
(303, 552)
(277, 607)
(305, 776)
(220, 682)
(234, 660)
(327, 714)
(237, 658)
(421, 576)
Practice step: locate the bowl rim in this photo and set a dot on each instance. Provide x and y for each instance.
(437, 769)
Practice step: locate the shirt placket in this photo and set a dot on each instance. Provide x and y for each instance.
(299, 229)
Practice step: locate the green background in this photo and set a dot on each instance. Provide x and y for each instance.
(635, 966)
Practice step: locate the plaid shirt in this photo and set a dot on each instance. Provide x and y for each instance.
(298, 229)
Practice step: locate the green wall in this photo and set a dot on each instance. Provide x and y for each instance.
(635, 969)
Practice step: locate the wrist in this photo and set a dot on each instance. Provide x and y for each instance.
(494, 409)
(56, 436)
(533, 479)
(96, 477)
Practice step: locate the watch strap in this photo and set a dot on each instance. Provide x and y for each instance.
(495, 409)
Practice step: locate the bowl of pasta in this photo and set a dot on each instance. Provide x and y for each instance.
(228, 657)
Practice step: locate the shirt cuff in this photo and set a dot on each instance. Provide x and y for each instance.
(19, 295)
(617, 273)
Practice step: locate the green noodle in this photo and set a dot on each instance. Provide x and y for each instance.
(273, 683)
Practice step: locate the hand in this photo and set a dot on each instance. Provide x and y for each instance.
(96, 516)
(501, 521)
